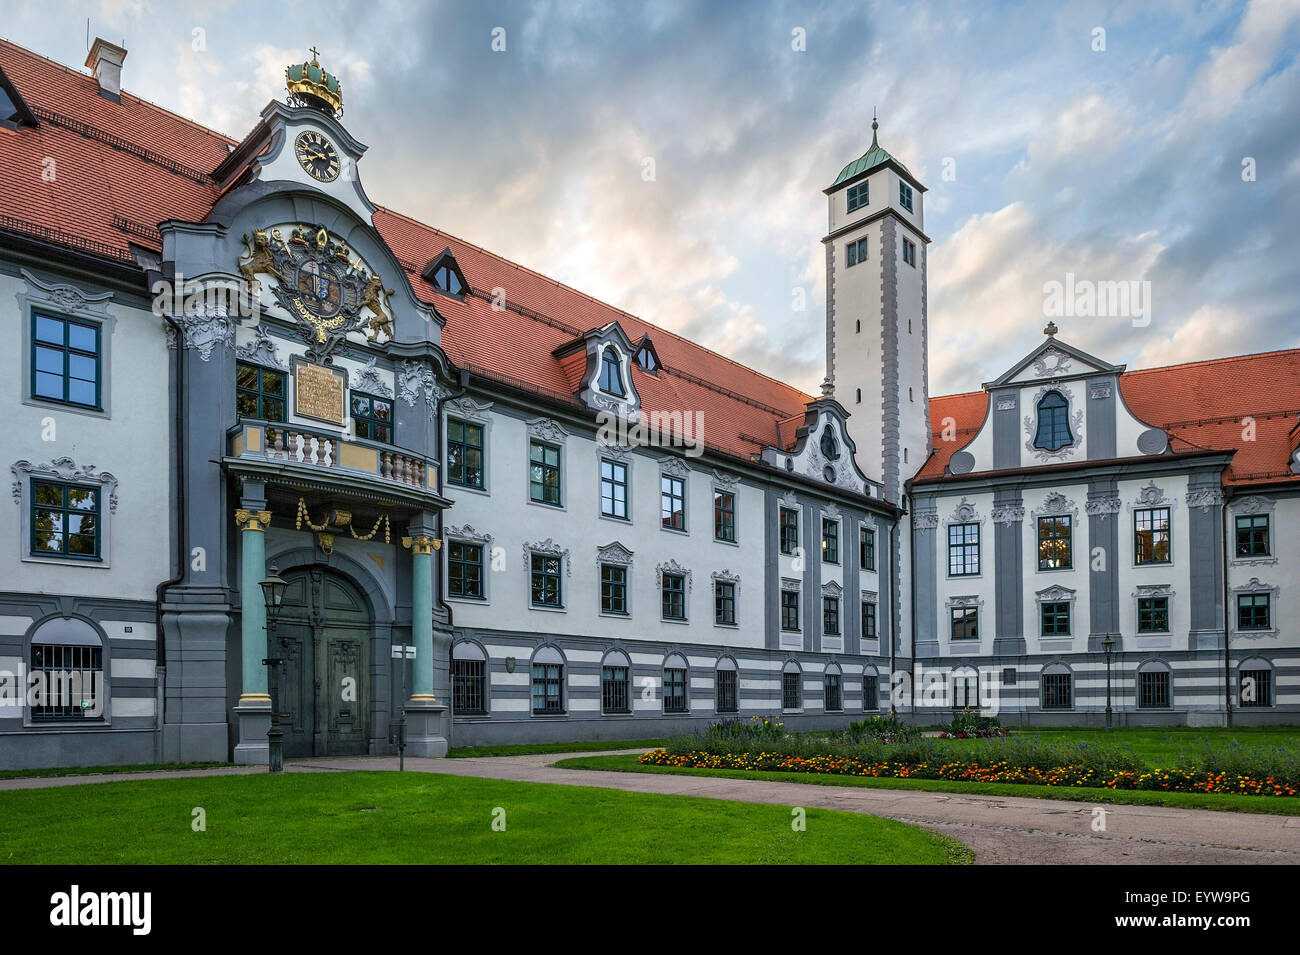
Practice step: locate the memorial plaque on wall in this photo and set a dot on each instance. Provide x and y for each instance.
(318, 392)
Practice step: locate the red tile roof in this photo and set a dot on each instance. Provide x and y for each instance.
(1203, 405)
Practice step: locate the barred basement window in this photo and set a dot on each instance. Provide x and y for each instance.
(674, 596)
(614, 690)
(675, 690)
(464, 570)
(791, 690)
(724, 602)
(870, 693)
(464, 453)
(830, 541)
(1153, 615)
(1057, 691)
(65, 360)
(1054, 550)
(831, 616)
(963, 550)
(65, 521)
(868, 620)
(1151, 535)
(789, 530)
(867, 548)
(468, 687)
(546, 589)
(68, 678)
(544, 473)
(548, 688)
(724, 516)
(833, 692)
(259, 392)
(726, 699)
(613, 588)
(1252, 536)
(1153, 689)
(1256, 688)
(372, 417)
(789, 610)
(1253, 611)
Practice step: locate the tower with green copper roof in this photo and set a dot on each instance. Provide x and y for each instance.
(876, 313)
(312, 85)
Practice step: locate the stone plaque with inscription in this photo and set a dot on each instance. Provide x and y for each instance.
(318, 392)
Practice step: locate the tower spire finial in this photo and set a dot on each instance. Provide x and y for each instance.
(874, 126)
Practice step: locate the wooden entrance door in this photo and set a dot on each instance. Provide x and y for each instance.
(324, 627)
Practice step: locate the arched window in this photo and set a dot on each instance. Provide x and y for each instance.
(67, 671)
(965, 688)
(1154, 685)
(548, 681)
(1053, 422)
(727, 699)
(675, 684)
(833, 688)
(468, 679)
(791, 686)
(1058, 687)
(614, 683)
(830, 444)
(870, 687)
(1255, 682)
(611, 373)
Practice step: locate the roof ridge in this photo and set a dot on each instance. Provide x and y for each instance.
(1213, 361)
(592, 298)
(75, 71)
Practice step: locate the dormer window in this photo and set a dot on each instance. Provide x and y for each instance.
(830, 444)
(611, 373)
(1053, 422)
(445, 275)
(447, 280)
(646, 357)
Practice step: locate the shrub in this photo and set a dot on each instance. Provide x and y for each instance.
(968, 725)
(886, 729)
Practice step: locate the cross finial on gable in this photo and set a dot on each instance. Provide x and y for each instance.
(314, 53)
(1050, 330)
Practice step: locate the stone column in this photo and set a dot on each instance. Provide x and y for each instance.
(424, 713)
(254, 707)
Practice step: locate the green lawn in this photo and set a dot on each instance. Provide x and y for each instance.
(96, 770)
(350, 818)
(1225, 803)
(1160, 745)
(526, 749)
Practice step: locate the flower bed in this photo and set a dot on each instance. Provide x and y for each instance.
(1169, 780)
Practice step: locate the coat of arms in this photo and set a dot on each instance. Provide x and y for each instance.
(327, 292)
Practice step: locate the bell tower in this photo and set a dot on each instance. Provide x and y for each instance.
(876, 313)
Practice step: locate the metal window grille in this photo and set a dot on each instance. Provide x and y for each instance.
(1256, 688)
(468, 687)
(1057, 691)
(70, 681)
(870, 693)
(791, 691)
(614, 690)
(548, 688)
(833, 692)
(726, 692)
(1153, 688)
(674, 691)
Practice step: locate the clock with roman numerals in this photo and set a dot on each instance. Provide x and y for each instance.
(317, 156)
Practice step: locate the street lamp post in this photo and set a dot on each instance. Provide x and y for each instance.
(273, 595)
(1108, 644)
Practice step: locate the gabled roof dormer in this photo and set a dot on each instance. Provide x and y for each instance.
(823, 450)
(606, 383)
(445, 275)
(646, 357)
(14, 111)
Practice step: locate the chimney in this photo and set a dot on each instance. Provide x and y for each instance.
(105, 61)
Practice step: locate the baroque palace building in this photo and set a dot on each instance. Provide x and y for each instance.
(221, 357)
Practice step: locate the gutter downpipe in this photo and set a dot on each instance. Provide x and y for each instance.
(1227, 661)
(911, 588)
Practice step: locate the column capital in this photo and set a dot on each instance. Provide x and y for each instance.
(249, 520)
(422, 544)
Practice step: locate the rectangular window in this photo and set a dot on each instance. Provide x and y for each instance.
(546, 589)
(1153, 688)
(259, 392)
(613, 489)
(724, 516)
(1252, 536)
(724, 602)
(963, 550)
(909, 252)
(72, 676)
(548, 688)
(831, 616)
(790, 610)
(674, 596)
(464, 570)
(65, 521)
(858, 196)
(613, 588)
(965, 623)
(672, 502)
(870, 693)
(905, 196)
(789, 530)
(1057, 691)
(833, 692)
(1153, 615)
(1253, 612)
(372, 417)
(1151, 535)
(1256, 688)
(1054, 540)
(1056, 619)
(464, 453)
(544, 473)
(830, 541)
(468, 687)
(855, 252)
(65, 360)
(867, 548)
(613, 690)
(674, 691)
(868, 620)
(791, 691)
(726, 701)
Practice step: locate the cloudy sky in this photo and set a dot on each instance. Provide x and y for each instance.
(1106, 140)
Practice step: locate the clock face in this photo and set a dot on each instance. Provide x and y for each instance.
(317, 156)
